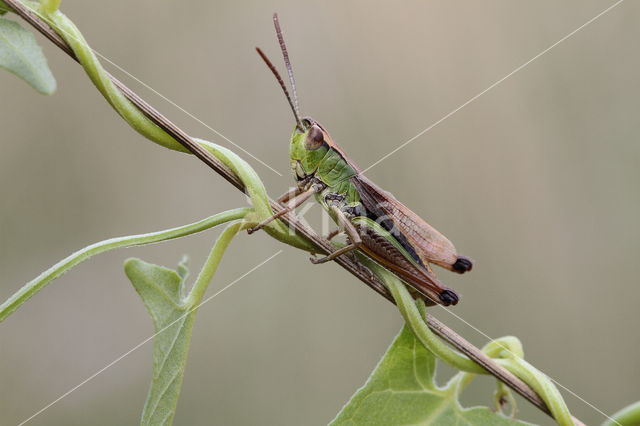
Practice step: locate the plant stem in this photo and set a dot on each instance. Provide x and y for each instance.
(414, 318)
(543, 387)
(628, 416)
(492, 350)
(211, 265)
(38, 283)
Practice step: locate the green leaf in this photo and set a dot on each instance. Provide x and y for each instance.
(21, 55)
(402, 391)
(163, 293)
(173, 309)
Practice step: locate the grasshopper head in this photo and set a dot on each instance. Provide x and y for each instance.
(309, 140)
(308, 146)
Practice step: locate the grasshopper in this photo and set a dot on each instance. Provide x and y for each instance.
(373, 220)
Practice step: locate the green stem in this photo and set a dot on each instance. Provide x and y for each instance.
(136, 119)
(211, 265)
(493, 349)
(542, 385)
(415, 320)
(49, 6)
(504, 393)
(258, 194)
(38, 283)
(628, 416)
(510, 344)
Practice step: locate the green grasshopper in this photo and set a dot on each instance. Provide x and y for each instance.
(373, 220)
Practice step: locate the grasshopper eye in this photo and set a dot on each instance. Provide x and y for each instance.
(315, 138)
(305, 125)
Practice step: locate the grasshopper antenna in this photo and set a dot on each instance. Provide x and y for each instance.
(284, 88)
(283, 48)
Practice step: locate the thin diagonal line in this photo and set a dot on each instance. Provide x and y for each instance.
(161, 95)
(493, 85)
(94, 375)
(187, 112)
(550, 378)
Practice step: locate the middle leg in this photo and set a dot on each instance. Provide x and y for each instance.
(352, 233)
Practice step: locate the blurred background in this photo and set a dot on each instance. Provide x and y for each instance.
(537, 180)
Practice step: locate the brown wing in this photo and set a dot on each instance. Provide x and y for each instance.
(420, 278)
(427, 243)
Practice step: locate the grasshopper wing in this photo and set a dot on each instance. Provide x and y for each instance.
(428, 244)
(390, 252)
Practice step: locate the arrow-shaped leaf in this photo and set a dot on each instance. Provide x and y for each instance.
(402, 391)
(162, 292)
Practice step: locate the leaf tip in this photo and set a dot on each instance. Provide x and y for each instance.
(131, 264)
